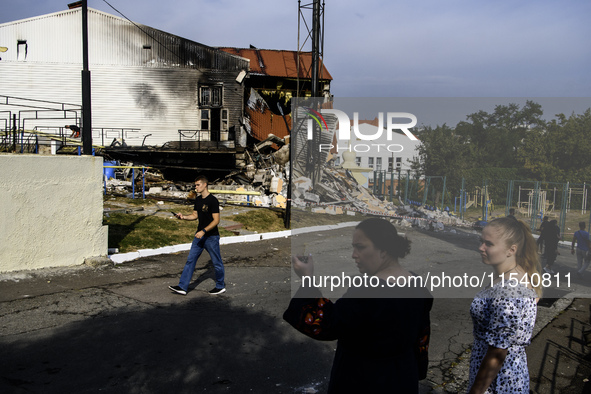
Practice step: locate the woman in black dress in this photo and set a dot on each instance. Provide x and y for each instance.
(382, 331)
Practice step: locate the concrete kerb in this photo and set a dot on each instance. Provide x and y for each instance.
(124, 257)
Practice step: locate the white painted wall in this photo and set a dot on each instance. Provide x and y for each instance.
(51, 211)
(399, 146)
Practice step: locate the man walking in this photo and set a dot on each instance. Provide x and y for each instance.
(207, 211)
(551, 236)
(581, 239)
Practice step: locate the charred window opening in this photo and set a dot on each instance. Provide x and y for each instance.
(147, 56)
(21, 49)
(211, 96)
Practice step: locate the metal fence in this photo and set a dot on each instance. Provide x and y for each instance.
(532, 200)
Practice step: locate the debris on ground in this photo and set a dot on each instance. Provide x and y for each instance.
(262, 182)
(338, 192)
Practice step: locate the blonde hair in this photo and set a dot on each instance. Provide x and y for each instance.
(516, 232)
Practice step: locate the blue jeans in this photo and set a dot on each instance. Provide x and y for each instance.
(582, 260)
(212, 245)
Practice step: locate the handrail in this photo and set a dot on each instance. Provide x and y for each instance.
(133, 168)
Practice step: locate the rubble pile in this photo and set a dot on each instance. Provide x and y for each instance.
(261, 182)
(338, 193)
(122, 182)
(266, 172)
(429, 219)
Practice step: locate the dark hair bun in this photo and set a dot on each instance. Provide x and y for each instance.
(384, 236)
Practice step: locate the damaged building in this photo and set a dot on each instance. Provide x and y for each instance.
(149, 87)
(275, 77)
(157, 99)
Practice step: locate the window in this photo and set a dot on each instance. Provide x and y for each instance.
(398, 163)
(204, 119)
(370, 162)
(225, 120)
(216, 96)
(390, 164)
(147, 54)
(379, 163)
(358, 161)
(211, 96)
(21, 50)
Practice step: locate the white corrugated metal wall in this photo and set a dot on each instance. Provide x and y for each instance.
(157, 101)
(142, 81)
(57, 38)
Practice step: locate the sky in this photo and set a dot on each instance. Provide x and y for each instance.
(386, 48)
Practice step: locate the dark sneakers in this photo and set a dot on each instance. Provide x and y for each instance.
(216, 291)
(177, 290)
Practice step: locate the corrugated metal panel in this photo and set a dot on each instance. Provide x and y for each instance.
(278, 63)
(52, 38)
(57, 38)
(129, 90)
(159, 102)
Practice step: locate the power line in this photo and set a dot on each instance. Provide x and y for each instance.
(143, 31)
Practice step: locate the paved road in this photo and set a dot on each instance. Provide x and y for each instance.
(118, 329)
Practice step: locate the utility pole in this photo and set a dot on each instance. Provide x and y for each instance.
(86, 107)
(315, 46)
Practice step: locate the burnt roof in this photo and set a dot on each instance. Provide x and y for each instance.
(278, 63)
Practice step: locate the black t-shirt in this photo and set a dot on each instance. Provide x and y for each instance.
(551, 235)
(205, 208)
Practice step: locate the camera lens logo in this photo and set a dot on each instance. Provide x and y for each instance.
(317, 117)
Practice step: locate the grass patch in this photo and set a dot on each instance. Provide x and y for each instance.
(118, 201)
(261, 220)
(305, 218)
(129, 232)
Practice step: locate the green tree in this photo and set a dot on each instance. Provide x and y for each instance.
(442, 153)
(568, 147)
(496, 139)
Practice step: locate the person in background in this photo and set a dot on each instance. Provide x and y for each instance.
(581, 240)
(511, 213)
(75, 131)
(504, 314)
(540, 241)
(550, 236)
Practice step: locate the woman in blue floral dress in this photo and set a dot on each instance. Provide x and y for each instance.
(505, 313)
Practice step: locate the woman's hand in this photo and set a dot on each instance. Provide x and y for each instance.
(303, 265)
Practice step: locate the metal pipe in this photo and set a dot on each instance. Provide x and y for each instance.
(86, 101)
(315, 46)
